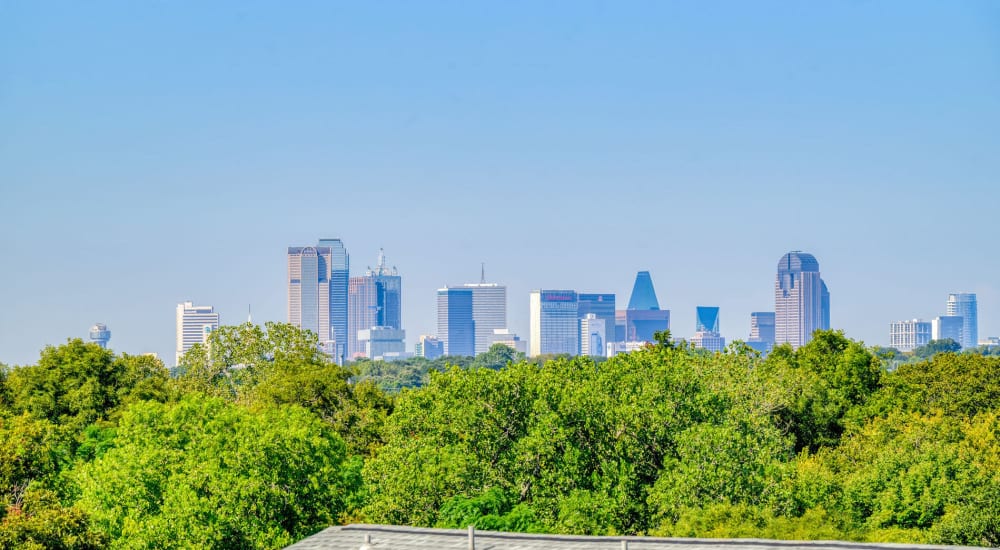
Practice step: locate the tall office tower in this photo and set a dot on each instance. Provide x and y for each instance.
(194, 323)
(362, 308)
(390, 293)
(428, 347)
(762, 326)
(554, 323)
(964, 304)
(456, 327)
(706, 329)
(100, 335)
(340, 267)
(799, 307)
(644, 318)
(948, 327)
(489, 310)
(593, 335)
(602, 306)
(909, 335)
(309, 290)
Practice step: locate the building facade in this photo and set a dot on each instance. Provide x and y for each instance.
(362, 307)
(194, 323)
(309, 290)
(553, 316)
(762, 329)
(340, 269)
(948, 327)
(382, 342)
(489, 311)
(456, 328)
(801, 301)
(643, 317)
(593, 335)
(428, 347)
(706, 329)
(963, 304)
(506, 337)
(909, 335)
(603, 307)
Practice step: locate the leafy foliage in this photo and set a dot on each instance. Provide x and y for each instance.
(261, 440)
(203, 473)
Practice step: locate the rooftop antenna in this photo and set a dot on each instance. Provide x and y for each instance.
(249, 315)
(380, 268)
(482, 273)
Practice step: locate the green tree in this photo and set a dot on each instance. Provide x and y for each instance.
(934, 347)
(78, 383)
(207, 474)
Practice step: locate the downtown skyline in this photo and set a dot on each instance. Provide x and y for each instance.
(565, 148)
(736, 327)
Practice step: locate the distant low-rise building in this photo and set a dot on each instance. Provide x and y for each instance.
(428, 347)
(380, 342)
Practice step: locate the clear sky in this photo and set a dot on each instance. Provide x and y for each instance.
(155, 152)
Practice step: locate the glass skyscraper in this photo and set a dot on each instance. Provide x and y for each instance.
(706, 329)
(554, 322)
(340, 266)
(801, 299)
(644, 318)
(374, 300)
(964, 304)
(455, 325)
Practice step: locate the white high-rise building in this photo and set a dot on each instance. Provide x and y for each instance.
(593, 334)
(194, 324)
(801, 300)
(909, 335)
(489, 311)
(964, 304)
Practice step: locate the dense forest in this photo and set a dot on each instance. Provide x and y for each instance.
(257, 440)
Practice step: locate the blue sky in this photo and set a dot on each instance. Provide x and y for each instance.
(155, 152)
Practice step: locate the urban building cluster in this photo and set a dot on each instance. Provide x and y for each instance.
(960, 323)
(361, 316)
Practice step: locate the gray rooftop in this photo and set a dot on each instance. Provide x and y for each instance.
(387, 537)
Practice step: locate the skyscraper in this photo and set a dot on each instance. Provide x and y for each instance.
(644, 318)
(593, 334)
(603, 307)
(964, 304)
(554, 322)
(706, 329)
(309, 290)
(909, 335)
(799, 304)
(340, 267)
(390, 293)
(455, 325)
(194, 323)
(100, 335)
(489, 310)
(362, 307)
(373, 300)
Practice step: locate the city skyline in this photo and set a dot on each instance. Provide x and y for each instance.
(565, 148)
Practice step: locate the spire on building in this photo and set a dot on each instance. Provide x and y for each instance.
(482, 273)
